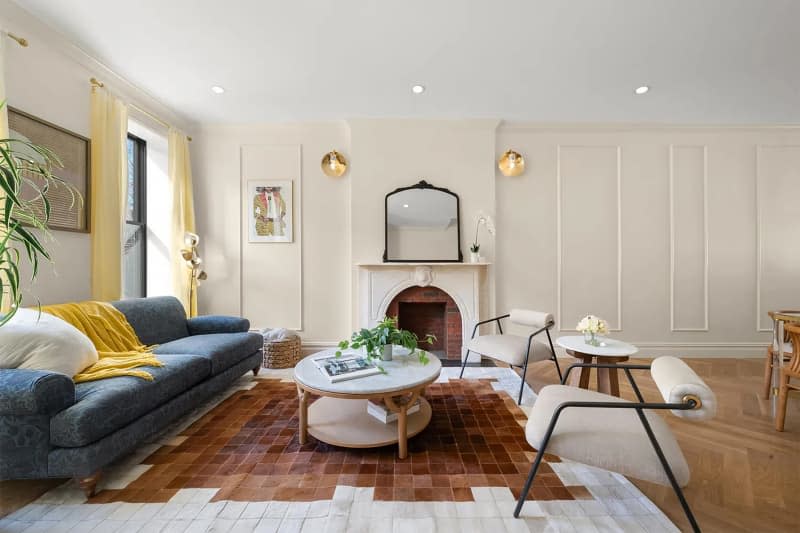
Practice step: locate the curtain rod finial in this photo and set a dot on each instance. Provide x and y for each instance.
(22, 41)
(95, 82)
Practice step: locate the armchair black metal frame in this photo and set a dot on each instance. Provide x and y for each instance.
(639, 407)
(524, 368)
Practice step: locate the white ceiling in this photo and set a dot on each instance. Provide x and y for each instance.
(708, 61)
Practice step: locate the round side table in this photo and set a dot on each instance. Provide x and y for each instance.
(610, 351)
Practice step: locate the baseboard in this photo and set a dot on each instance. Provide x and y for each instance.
(309, 347)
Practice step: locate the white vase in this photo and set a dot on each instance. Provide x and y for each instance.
(386, 355)
(474, 257)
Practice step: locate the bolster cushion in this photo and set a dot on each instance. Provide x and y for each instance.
(203, 325)
(675, 380)
(536, 319)
(31, 392)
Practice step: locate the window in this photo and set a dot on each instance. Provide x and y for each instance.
(134, 245)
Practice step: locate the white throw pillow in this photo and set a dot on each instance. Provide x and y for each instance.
(39, 341)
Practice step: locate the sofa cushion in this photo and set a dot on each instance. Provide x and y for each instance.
(220, 350)
(106, 405)
(155, 320)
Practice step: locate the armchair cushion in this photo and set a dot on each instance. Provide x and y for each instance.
(612, 439)
(203, 325)
(510, 349)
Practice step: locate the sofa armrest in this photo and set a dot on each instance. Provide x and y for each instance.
(202, 325)
(32, 392)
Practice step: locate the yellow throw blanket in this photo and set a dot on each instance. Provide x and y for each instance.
(118, 348)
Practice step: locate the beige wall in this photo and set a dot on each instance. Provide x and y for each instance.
(50, 79)
(305, 283)
(654, 228)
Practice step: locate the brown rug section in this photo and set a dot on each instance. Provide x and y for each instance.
(247, 446)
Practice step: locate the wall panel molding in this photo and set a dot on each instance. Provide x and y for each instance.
(703, 227)
(560, 199)
(777, 221)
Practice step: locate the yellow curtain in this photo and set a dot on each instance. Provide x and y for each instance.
(109, 117)
(180, 176)
(5, 300)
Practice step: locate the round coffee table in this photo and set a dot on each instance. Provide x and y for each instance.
(340, 416)
(610, 351)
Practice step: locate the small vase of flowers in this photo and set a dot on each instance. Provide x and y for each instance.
(377, 342)
(475, 247)
(592, 326)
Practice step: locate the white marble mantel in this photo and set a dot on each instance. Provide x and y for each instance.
(466, 283)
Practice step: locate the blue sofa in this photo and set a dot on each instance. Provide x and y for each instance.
(51, 427)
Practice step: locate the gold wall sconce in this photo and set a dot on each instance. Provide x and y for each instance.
(334, 164)
(511, 163)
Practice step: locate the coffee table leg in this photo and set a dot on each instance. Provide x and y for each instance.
(400, 405)
(303, 399)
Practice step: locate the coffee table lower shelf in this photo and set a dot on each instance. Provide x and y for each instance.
(347, 423)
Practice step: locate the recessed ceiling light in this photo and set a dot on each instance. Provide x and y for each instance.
(418, 89)
(216, 89)
(405, 205)
(642, 90)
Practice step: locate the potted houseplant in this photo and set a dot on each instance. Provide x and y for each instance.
(24, 217)
(475, 247)
(592, 326)
(377, 342)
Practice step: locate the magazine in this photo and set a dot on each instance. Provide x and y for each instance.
(378, 409)
(348, 366)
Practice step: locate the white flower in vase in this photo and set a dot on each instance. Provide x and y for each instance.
(591, 326)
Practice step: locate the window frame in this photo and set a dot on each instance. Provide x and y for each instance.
(139, 201)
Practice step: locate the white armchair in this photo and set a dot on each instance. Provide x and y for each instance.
(515, 350)
(619, 435)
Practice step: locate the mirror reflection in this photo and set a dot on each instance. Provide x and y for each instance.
(422, 224)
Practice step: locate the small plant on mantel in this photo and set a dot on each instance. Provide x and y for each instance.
(386, 333)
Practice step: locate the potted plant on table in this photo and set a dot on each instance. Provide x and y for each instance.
(377, 342)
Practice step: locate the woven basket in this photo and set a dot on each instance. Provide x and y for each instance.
(281, 354)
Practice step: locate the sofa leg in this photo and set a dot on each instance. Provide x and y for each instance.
(89, 484)
(256, 370)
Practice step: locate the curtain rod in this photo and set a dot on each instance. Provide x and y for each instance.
(96, 83)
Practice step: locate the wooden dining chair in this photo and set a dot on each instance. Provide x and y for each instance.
(788, 372)
(785, 346)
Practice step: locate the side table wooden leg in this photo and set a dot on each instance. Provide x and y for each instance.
(608, 378)
(579, 377)
(303, 413)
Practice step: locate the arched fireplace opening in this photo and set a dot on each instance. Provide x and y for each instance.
(431, 310)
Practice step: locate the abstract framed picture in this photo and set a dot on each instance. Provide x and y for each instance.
(270, 211)
(68, 211)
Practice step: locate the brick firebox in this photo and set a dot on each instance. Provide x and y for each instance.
(426, 310)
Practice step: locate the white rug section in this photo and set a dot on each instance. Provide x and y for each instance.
(618, 506)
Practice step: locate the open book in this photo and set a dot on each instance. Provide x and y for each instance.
(348, 366)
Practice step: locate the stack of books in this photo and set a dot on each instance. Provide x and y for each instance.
(379, 410)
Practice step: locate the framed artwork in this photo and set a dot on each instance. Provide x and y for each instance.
(67, 213)
(270, 213)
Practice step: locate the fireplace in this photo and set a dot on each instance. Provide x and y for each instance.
(425, 310)
(464, 288)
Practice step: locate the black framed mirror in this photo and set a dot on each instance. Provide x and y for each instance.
(423, 224)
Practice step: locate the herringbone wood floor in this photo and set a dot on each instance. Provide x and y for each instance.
(745, 475)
